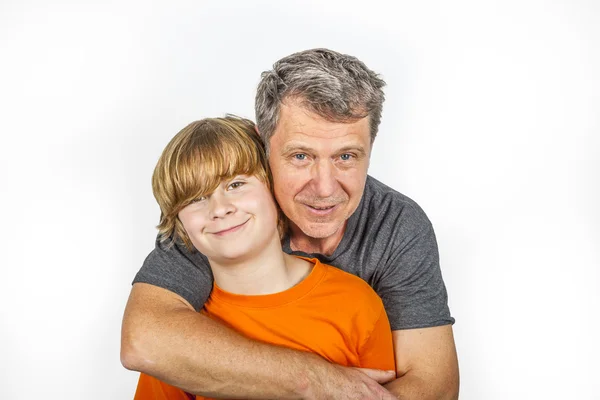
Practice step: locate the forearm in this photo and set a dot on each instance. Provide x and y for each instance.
(412, 387)
(193, 352)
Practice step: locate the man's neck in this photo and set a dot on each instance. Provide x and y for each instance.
(299, 241)
(266, 272)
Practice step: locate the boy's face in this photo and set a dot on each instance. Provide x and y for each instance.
(236, 221)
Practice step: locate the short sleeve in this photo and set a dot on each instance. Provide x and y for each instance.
(378, 350)
(411, 285)
(185, 273)
(150, 388)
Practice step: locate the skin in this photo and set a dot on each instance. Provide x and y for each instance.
(239, 208)
(235, 227)
(163, 336)
(319, 172)
(426, 364)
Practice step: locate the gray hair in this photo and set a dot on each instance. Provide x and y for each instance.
(335, 86)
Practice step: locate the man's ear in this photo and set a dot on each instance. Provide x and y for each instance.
(256, 129)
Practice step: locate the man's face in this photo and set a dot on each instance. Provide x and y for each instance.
(319, 169)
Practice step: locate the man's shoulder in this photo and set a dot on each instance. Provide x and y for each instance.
(381, 202)
(377, 192)
(174, 268)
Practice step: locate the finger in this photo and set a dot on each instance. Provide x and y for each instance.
(378, 375)
(384, 394)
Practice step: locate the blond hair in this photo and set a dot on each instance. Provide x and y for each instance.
(196, 160)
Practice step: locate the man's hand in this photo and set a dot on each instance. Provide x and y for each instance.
(381, 377)
(353, 384)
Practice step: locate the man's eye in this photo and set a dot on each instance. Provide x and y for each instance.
(300, 156)
(346, 157)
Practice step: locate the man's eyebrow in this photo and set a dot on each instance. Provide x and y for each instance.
(293, 147)
(296, 147)
(357, 148)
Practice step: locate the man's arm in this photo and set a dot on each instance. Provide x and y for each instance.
(163, 336)
(426, 364)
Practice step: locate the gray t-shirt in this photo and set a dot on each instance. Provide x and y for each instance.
(389, 242)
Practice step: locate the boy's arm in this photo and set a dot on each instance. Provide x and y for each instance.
(163, 336)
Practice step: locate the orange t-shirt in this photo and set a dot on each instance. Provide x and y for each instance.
(331, 313)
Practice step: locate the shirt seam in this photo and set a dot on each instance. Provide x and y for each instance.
(368, 336)
(221, 300)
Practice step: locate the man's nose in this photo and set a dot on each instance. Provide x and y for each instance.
(220, 205)
(324, 180)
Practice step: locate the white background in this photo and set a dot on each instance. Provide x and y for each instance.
(491, 124)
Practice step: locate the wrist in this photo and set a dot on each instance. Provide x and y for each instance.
(312, 376)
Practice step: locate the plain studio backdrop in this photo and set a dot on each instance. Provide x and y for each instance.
(491, 124)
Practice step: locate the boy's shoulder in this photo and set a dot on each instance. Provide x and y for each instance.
(335, 275)
(348, 288)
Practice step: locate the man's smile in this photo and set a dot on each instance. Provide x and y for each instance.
(321, 210)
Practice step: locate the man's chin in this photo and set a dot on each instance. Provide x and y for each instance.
(320, 230)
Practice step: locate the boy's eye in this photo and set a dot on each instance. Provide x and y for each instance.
(235, 185)
(199, 199)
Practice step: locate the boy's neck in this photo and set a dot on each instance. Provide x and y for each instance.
(270, 271)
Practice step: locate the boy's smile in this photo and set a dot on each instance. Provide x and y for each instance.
(232, 222)
(232, 229)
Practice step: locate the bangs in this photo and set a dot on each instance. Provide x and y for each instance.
(196, 161)
(215, 151)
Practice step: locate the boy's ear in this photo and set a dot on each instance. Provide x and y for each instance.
(256, 130)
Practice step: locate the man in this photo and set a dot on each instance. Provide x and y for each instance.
(318, 112)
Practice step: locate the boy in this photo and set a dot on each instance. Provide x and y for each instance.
(214, 189)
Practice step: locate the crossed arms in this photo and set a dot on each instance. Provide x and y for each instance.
(163, 336)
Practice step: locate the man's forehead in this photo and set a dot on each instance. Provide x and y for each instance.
(297, 120)
(322, 132)
(327, 138)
